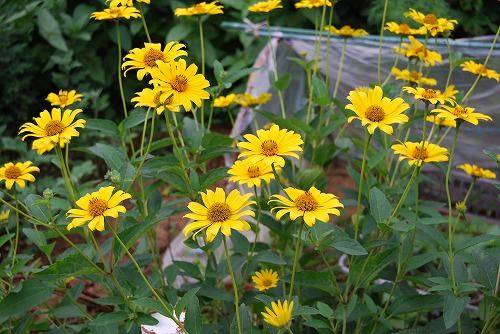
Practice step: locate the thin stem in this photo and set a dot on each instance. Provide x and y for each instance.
(65, 174)
(202, 46)
(381, 39)
(360, 189)
(296, 259)
(144, 23)
(16, 240)
(275, 67)
(341, 64)
(235, 288)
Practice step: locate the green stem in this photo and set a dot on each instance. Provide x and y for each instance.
(144, 23)
(65, 174)
(341, 64)
(120, 291)
(360, 189)
(405, 193)
(381, 39)
(16, 240)
(296, 259)
(275, 68)
(235, 288)
(202, 46)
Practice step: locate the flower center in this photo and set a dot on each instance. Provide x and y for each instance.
(63, 97)
(459, 111)
(375, 113)
(114, 11)
(156, 98)
(306, 202)
(97, 207)
(180, 83)
(12, 172)
(423, 156)
(169, 100)
(431, 19)
(218, 212)
(253, 171)
(151, 56)
(266, 283)
(476, 171)
(429, 93)
(54, 127)
(269, 147)
(414, 76)
(404, 27)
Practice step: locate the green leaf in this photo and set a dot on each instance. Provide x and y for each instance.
(453, 308)
(32, 293)
(189, 269)
(324, 310)
(474, 241)
(375, 264)
(212, 176)
(213, 152)
(113, 157)
(416, 303)
(282, 83)
(306, 310)
(179, 32)
(109, 318)
(72, 265)
(6, 237)
(130, 235)
(269, 257)
(418, 261)
(431, 232)
(236, 75)
(184, 301)
(103, 125)
(40, 212)
(22, 13)
(245, 321)
(214, 139)
(154, 305)
(289, 124)
(49, 29)
(487, 269)
(380, 207)
(174, 177)
(306, 178)
(240, 242)
(314, 279)
(36, 237)
(192, 322)
(136, 117)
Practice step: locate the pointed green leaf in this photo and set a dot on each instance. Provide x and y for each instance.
(380, 207)
(72, 265)
(192, 322)
(475, 241)
(32, 293)
(113, 157)
(103, 125)
(314, 279)
(245, 321)
(109, 318)
(375, 264)
(184, 301)
(39, 211)
(453, 308)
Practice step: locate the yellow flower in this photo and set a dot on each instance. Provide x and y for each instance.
(312, 3)
(441, 121)
(224, 101)
(219, 213)
(428, 95)
(346, 31)
(477, 172)
(461, 114)
(311, 205)
(433, 24)
(403, 29)
(271, 145)
(279, 315)
(186, 87)
(18, 173)
(417, 50)
(114, 3)
(145, 58)
(53, 129)
(95, 206)
(265, 6)
(114, 13)
(248, 100)
(473, 67)
(265, 279)
(251, 174)
(151, 98)
(450, 93)
(201, 8)
(412, 152)
(4, 215)
(377, 111)
(413, 76)
(63, 99)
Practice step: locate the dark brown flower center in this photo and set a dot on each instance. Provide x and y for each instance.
(180, 83)
(459, 111)
(429, 94)
(12, 172)
(269, 147)
(218, 212)
(267, 283)
(253, 171)
(414, 76)
(156, 98)
(431, 19)
(375, 113)
(54, 127)
(97, 207)
(151, 56)
(114, 11)
(306, 202)
(416, 153)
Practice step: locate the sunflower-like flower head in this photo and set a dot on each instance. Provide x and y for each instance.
(413, 77)
(428, 95)
(376, 111)
(346, 31)
(271, 145)
(219, 213)
(144, 59)
(310, 205)
(63, 98)
(265, 279)
(130, 3)
(224, 101)
(151, 98)
(265, 6)
(201, 8)
(95, 206)
(17, 173)
(403, 29)
(249, 173)
(441, 121)
(480, 69)
(248, 100)
(181, 82)
(312, 3)
(279, 314)
(461, 114)
(431, 23)
(53, 129)
(115, 13)
(418, 153)
(477, 172)
(419, 51)
(4, 215)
